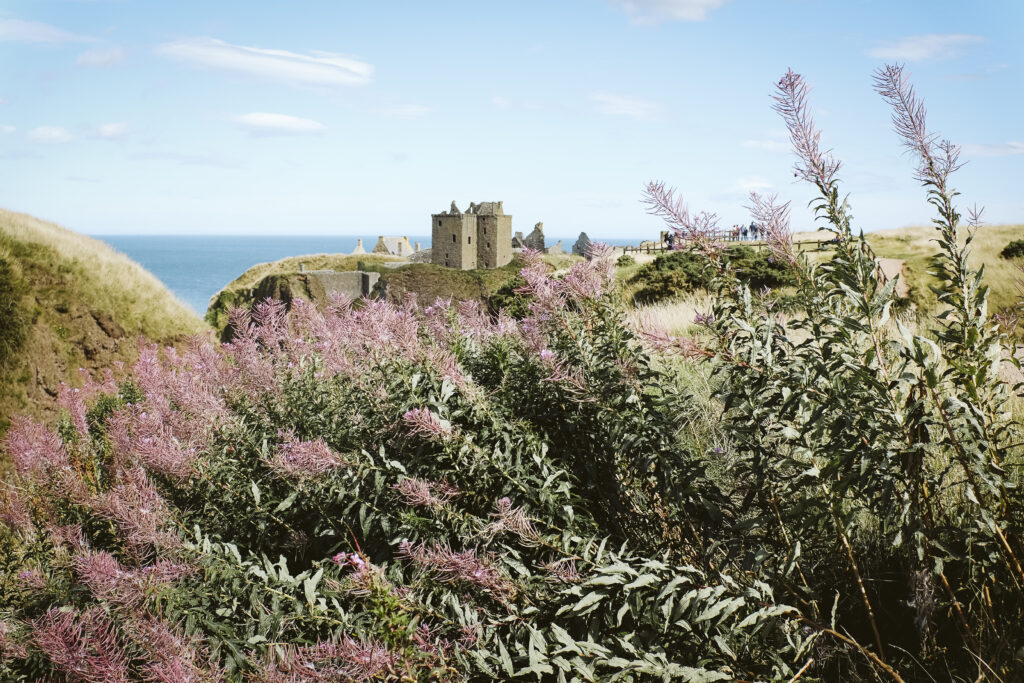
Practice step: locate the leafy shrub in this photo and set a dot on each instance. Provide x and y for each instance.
(625, 261)
(1014, 249)
(684, 271)
(380, 492)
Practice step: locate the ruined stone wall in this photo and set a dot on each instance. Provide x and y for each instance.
(454, 242)
(494, 240)
(352, 283)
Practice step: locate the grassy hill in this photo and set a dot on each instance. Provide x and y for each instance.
(915, 246)
(282, 279)
(67, 302)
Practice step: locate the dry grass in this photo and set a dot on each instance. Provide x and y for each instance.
(916, 247)
(675, 317)
(107, 278)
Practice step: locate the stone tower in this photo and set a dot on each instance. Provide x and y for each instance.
(479, 238)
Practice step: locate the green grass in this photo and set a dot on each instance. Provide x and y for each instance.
(427, 281)
(68, 301)
(915, 246)
(242, 290)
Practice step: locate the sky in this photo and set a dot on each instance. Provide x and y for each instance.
(337, 117)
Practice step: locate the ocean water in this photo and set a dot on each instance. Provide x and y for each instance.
(195, 267)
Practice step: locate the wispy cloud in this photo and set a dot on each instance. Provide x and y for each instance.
(658, 11)
(112, 131)
(752, 183)
(187, 159)
(19, 31)
(407, 111)
(1004, 149)
(317, 69)
(7, 130)
(777, 146)
(632, 107)
(263, 123)
(100, 57)
(922, 48)
(50, 135)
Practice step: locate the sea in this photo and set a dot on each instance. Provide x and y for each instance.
(196, 267)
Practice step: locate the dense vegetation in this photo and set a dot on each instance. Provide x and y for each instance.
(1014, 249)
(70, 302)
(383, 492)
(684, 271)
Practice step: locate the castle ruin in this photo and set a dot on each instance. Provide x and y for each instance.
(479, 238)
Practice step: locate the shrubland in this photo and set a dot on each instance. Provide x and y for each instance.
(390, 492)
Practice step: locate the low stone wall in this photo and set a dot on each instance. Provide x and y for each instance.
(353, 283)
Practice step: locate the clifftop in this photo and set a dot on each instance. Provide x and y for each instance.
(68, 301)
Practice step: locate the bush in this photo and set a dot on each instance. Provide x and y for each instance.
(1014, 249)
(682, 271)
(385, 493)
(625, 261)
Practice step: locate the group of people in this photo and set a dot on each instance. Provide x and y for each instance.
(746, 232)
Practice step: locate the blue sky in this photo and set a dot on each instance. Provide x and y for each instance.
(147, 116)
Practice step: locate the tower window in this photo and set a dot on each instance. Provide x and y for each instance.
(453, 238)
(469, 240)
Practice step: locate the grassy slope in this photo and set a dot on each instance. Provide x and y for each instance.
(242, 290)
(427, 281)
(915, 246)
(71, 302)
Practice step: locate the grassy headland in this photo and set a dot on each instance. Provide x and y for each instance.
(66, 302)
(282, 279)
(916, 246)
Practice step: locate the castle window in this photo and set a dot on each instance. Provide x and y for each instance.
(488, 245)
(453, 238)
(485, 231)
(469, 240)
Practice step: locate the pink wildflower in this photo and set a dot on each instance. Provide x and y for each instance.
(515, 521)
(11, 646)
(451, 566)
(139, 511)
(84, 646)
(774, 221)
(73, 401)
(33, 448)
(425, 493)
(426, 423)
(306, 458)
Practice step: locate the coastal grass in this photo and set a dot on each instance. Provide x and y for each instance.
(99, 274)
(916, 247)
(68, 301)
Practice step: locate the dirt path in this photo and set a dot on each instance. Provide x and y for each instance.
(893, 267)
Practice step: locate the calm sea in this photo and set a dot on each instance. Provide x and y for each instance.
(197, 267)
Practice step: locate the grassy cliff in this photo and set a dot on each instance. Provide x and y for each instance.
(282, 280)
(916, 247)
(67, 302)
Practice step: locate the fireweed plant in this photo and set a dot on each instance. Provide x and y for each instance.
(383, 492)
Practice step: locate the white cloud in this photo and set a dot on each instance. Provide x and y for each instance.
(500, 102)
(7, 130)
(50, 135)
(262, 123)
(753, 183)
(407, 111)
(767, 145)
(1005, 149)
(322, 69)
(921, 48)
(100, 57)
(618, 105)
(16, 30)
(658, 11)
(112, 131)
